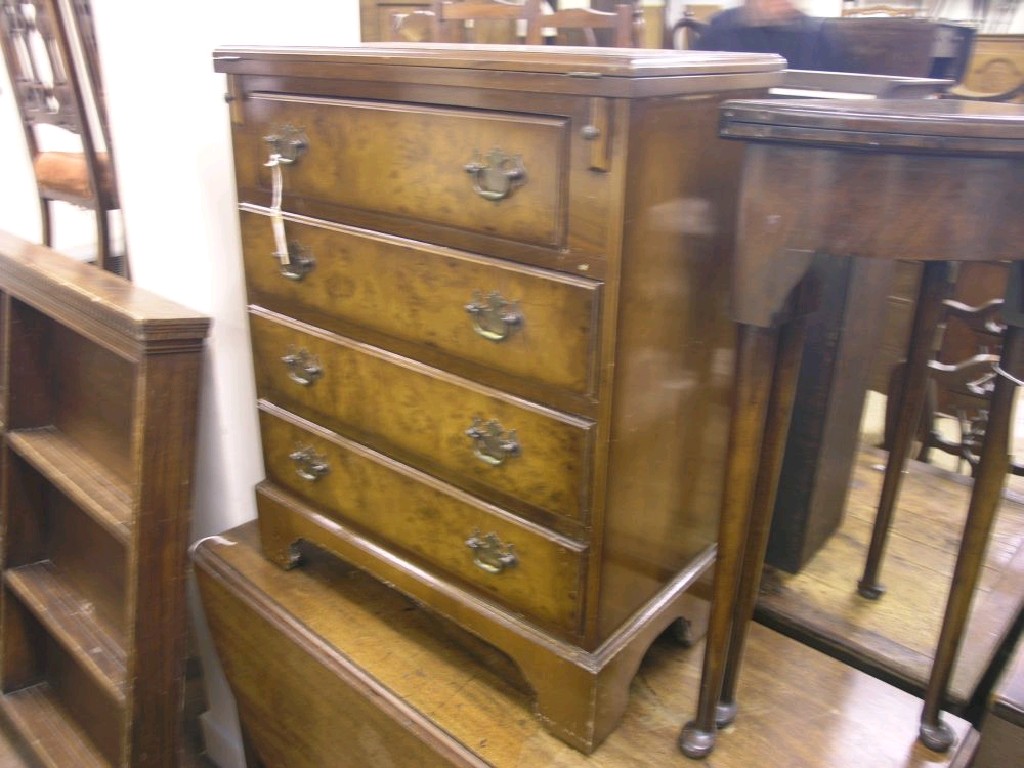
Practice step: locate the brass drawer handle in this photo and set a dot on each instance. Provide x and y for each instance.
(303, 368)
(496, 177)
(491, 443)
(495, 318)
(287, 145)
(490, 553)
(298, 264)
(309, 465)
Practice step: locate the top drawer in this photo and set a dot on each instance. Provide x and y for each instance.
(494, 173)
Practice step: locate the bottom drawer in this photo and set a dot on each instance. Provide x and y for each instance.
(522, 566)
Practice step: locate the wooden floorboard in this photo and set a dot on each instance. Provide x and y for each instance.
(895, 636)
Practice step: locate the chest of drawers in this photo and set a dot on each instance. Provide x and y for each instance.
(492, 351)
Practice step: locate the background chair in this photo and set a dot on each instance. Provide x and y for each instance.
(411, 27)
(583, 26)
(482, 21)
(683, 34)
(54, 72)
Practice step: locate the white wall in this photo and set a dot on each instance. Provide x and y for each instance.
(170, 131)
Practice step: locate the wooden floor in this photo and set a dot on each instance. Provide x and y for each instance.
(894, 637)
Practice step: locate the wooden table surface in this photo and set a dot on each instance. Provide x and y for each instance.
(334, 630)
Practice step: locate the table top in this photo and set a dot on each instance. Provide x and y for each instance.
(337, 624)
(947, 125)
(570, 70)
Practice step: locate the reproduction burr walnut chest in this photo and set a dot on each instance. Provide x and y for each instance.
(491, 344)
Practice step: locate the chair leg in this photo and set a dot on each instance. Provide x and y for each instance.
(104, 255)
(46, 220)
(928, 313)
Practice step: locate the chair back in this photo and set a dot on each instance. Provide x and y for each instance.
(583, 26)
(411, 27)
(54, 72)
(45, 83)
(686, 30)
(84, 31)
(483, 21)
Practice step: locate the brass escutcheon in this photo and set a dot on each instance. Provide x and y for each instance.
(496, 177)
(309, 465)
(300, 262)
(490, 553)
(491, 443)
(303, 367)
(287, 145)
(495, 318)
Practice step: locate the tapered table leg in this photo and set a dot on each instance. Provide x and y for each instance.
(993, 465)
(755, 365)
(773, 449)
(927, 315)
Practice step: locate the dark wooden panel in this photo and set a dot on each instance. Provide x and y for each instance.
(101, 395)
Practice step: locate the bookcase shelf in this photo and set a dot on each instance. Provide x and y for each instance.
(54, 737)
(98, 400)
(72, 622)
(79, 477)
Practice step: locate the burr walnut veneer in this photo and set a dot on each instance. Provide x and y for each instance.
(487, 296)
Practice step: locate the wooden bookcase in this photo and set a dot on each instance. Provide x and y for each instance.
(98, 396)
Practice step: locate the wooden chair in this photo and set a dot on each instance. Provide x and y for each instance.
(58, 91)
(582, 26)
(959, 391)
(691, 30)
(482, 21)
(1013, 94)
(994, 71)
(691, 24)
(411, 27)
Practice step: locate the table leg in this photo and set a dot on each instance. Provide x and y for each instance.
(927, 315)
(755, 365)
(773, 449)
(993, 465)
